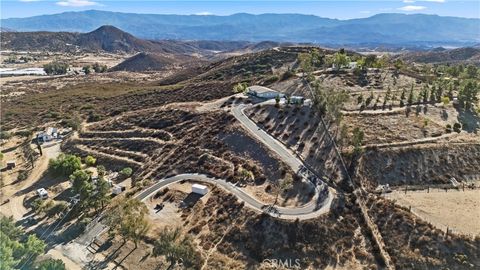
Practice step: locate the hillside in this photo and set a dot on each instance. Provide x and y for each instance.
(382, 28)
(111, 39)
(144, 62)
(440, 55)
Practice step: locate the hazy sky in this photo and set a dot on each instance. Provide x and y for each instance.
(331, 9)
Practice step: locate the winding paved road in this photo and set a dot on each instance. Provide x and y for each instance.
(319, 205)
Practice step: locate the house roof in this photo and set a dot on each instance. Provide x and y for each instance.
(261, 89)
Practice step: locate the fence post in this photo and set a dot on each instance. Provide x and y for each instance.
(428, 189)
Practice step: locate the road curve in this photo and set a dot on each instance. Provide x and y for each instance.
(319, 205)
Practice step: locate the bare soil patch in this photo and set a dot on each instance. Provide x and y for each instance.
(457, 210)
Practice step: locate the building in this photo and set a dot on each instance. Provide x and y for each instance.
(297, 99)
(199, 189)
(11, 164)
(49, 134)
(263, 92)
(42, 193)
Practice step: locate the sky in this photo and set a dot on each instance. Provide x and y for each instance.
(338, 9)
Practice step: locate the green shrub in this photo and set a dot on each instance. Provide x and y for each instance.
(65, 165)
(90, 161)
(126, 172)
(22, 175)
(448, 128)
(287, 75)
(457, 127)
(4, 135)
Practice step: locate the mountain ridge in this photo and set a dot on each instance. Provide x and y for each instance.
(384, 28)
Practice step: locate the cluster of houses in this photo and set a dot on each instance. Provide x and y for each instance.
(268, 93)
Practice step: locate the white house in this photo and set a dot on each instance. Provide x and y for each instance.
(42, 193)
(264, 92)
(199, 189)
(49, 134)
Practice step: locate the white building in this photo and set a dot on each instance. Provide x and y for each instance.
(49, 134)
(199, 189)
(42, 193)
(263, 92)
(297, 99)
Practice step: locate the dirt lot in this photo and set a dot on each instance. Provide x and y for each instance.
(457, 210)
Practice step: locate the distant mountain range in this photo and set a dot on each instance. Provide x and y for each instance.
(394, 29)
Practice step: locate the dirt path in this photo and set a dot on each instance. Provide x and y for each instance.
(15, 207)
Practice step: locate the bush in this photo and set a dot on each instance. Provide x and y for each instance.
(65, 164)
(50, 264)
(56, 68)
(448, 128)
(4, 135)
(22, 175)
(24, 133)
(57, 209)
(457, 127)
(90, 161)
(287, 75)
(126, 172)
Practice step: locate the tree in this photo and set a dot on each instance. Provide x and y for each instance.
(283, 185)
(65, 164)
(33, 247)
(126, 172)
(99, 68)
(50, 264)
(471, 72)
(128, 217)
(101, 171)
(240, 87)
(55, 68)
(410, 97)
(87, 69)
(340, 60)
(175, 247)
(329, 101)
(82, 185)
(247, 175)
(17, 251)
(468, 95)
(370, 60)
(445, 100)
(90, 161)
(306, 65)
(102, 195)
(277, 101)
(357, 140)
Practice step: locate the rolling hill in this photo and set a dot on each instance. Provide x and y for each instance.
(144, 62)
(108, 38)
(441, 55)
